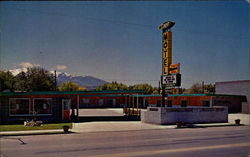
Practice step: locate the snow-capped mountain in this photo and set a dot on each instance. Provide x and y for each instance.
(89, 82)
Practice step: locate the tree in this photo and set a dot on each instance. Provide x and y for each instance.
(183, 91)
(35, 79)
(39, 79)
(196, 88)
(68, 86)
(156, 90)
(21, 82)
(209, 88)
(71, 86)
(7, 81)
(148, 89)
(82, 88)
(112, 86)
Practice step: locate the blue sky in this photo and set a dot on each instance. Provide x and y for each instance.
(119, 41)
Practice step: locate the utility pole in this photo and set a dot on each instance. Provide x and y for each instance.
(159, 87)
(55, 80)
(203, 90)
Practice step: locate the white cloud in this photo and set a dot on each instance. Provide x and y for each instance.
(22, 67)
(17, 71)
(61, 67)
(28, 65)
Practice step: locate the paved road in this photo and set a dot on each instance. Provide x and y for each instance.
(231, 141)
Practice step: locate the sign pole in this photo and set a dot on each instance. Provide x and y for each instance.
(166, 61)
(166, 55)
(163, 96)
(171, 76)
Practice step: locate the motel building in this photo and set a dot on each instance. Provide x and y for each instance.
(55, 106)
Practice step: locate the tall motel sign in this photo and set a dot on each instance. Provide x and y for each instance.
(171, 76)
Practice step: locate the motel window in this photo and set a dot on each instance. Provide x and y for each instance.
(205, 103)
(100, 102)
(42, 106)
(146, 103)
(85, 101)
(110, 102)
(158, 103)
(19, 106)
(169, 103)
(183, 103)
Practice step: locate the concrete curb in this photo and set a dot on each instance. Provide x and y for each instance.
(34, 132)
(208, 125)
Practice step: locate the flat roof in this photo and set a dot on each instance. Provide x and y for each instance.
(156, 95)
(69, 92)
(236, 81)
(105, 93)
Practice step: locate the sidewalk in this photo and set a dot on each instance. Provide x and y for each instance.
(116, 126)
(109, 126)
(126, 126)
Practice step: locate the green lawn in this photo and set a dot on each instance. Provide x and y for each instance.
(24, 128)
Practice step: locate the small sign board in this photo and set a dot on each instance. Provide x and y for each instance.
(171, 80)
(170, 85)
(174, 68)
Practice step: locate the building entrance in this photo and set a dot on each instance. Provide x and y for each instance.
(66, 106)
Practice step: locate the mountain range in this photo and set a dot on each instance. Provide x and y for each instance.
(89, 82)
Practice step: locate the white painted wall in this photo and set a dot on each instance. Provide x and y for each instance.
(158, 115)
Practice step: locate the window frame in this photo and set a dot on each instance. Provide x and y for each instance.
(186, 103)
(158, 102)
(85, 100)
(10, 114)
(202, 102)
(42, 114)
(168, 103)
(146, 103)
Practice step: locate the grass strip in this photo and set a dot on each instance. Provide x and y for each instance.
(20, 127)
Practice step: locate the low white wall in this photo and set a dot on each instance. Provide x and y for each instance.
(161, 115)
(244, 118)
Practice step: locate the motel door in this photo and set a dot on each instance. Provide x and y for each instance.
(66, 105)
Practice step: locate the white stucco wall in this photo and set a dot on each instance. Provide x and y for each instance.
(158, 115)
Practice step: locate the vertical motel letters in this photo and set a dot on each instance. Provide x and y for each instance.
(166, 52)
